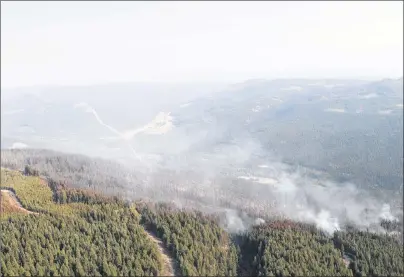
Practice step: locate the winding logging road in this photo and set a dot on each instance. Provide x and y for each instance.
(169, 265)
(9, 197)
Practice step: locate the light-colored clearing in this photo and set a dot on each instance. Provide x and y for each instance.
(335, 110)
(368, 96)
(385, 112)
(18, 145)
(261, 180)
(13, 112)
(292, 88)
(185, 105)
(169, 265)
(10, 203)
(256, 109)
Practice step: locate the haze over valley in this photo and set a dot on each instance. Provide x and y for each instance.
(201, 138)
(257, 145)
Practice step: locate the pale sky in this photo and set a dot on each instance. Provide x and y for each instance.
(75, 43)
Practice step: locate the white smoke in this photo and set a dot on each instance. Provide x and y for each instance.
(386, 213)
(230, 177)
(323, 220)
(234, 222)
(259, 221)
(282, 192)
(19, 145)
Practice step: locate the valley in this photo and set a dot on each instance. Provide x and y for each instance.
(201, 138)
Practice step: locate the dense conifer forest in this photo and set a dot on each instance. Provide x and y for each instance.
(75, 237)
(51, 229)
(196, 241)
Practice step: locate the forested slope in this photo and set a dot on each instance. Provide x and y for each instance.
(81, 232)
(285, 248)
(371, 254)
(73, 238)
(74, 170)
(196, 241)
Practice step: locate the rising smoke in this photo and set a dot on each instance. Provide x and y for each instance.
(230, 179)
(240, 180)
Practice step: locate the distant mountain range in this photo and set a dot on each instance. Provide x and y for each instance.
(350, 129)
(302, 148)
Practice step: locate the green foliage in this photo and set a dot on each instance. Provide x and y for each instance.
(76, 171)
(63, 194)
(196, 241)
(286, 250)
(80, 232)
(33, 193)
(107, 240)
(103, 238)
(29, 171)
(371, 254)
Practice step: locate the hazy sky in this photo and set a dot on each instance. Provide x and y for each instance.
(59, 43)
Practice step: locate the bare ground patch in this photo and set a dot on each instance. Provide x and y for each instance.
(10, 204)
(169, 265)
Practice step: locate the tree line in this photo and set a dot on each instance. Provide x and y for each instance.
(197, 242)
(84, 232)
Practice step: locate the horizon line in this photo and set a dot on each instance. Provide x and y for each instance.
(37, 86)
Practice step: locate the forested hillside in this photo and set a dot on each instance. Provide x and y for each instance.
(68, 231)
(371, 255)
(73, 238)
(74, 170)
(80, 232)
(196, 241)
(285, 248)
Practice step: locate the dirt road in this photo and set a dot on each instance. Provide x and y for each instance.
(11, 202)
(169, 266)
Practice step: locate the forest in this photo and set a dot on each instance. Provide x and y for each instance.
(285, 248)
(371, 254)
(72, 239)
(74, 170)
(82, 232)
(196, 241)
